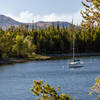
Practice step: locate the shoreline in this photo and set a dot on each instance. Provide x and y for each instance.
(45, 57)
(22, 60)
(76, 55)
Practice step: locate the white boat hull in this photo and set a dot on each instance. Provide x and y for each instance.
(75, 64)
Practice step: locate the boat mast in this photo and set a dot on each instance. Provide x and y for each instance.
(73, 41)
(73, 48)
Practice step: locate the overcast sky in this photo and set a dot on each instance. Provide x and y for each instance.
(42, 10)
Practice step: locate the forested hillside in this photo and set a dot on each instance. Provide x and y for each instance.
(22, 42)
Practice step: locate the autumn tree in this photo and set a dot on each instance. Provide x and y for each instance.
(43, 91)
(91, 14)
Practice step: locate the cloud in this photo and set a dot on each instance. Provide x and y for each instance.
(24, 16)
(27, 17)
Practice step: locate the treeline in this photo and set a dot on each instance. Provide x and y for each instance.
(22, 42)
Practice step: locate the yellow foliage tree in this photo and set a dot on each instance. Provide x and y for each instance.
(91, 14)
(96, 87)
(44, 91)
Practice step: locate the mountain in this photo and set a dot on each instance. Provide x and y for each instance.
(47, 24)
(6, 22)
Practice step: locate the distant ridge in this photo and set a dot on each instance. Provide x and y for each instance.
(6, 22)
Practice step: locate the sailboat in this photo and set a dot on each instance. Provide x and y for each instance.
(75, 63)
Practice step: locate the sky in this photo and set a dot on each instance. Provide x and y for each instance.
(42, 10)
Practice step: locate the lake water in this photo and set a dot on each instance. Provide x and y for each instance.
(16, 80)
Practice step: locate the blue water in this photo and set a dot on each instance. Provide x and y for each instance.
(16, 80)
